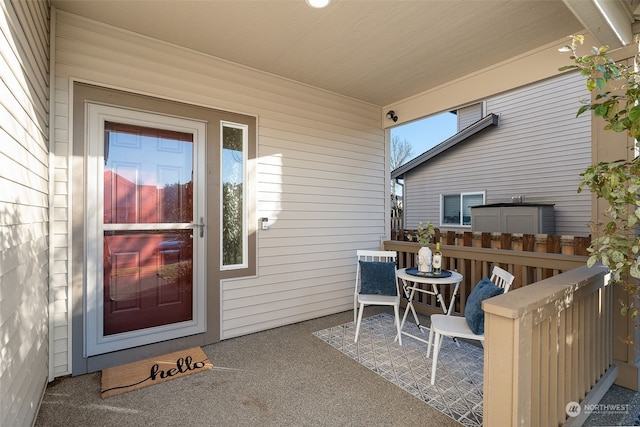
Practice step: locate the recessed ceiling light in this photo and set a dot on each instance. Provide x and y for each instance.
(318, 4)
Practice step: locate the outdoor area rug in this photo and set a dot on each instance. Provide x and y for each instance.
(458, 389)
(144, 373)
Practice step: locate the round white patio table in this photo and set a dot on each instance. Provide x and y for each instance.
(412, 283)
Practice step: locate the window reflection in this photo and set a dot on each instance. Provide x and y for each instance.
(148, 175)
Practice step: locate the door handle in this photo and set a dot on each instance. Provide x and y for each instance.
(200, 226)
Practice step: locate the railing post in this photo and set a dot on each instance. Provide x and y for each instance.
(507, 377)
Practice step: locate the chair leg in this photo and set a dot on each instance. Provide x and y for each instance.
(436, 350)
(358, 322)
(396, 310)
(430, 342)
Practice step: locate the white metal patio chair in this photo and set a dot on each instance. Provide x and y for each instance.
(376, 284)
(459, 327)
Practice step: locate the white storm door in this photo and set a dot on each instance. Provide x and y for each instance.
(145, 249)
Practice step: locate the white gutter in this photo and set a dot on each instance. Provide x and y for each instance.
(608, 21)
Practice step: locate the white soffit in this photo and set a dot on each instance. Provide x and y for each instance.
(376, 51)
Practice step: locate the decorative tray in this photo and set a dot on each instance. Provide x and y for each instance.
(415, 272)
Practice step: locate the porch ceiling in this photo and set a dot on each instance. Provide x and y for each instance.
(376, 51)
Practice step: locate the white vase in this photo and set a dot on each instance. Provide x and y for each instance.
(425, 256)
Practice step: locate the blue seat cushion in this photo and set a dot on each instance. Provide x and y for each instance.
(473, 309)
(378, 278)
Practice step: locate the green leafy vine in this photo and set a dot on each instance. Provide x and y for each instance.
(617, 91)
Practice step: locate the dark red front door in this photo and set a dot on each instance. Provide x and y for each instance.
(148, 239)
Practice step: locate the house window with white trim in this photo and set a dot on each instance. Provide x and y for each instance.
(455, 209)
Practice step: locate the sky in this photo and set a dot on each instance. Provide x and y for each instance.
(426, 133)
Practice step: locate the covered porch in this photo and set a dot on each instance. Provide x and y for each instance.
(320, 153)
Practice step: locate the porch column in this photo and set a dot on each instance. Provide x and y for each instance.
(610, 146)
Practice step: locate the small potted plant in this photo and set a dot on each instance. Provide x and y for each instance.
(424, 236)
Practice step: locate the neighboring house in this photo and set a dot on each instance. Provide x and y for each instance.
(310, 165)
(527, 142)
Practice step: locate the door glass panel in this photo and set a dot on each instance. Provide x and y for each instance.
(147, 175)
(148, 203)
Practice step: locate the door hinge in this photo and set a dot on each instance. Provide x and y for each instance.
(201, 226)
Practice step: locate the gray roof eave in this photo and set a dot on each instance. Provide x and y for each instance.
(489, 120)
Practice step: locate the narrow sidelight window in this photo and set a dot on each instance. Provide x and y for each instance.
(234, 207)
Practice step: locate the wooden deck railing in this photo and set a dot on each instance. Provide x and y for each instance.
(475, 263)
(548, 341)
(568, 245)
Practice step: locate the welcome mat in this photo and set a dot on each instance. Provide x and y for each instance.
(132, 376)
(457, 392)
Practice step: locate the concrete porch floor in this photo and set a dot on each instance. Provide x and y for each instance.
(280, 377)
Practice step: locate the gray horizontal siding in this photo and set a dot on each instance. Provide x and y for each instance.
(24, 203)
(320, 170)
(538, 150)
